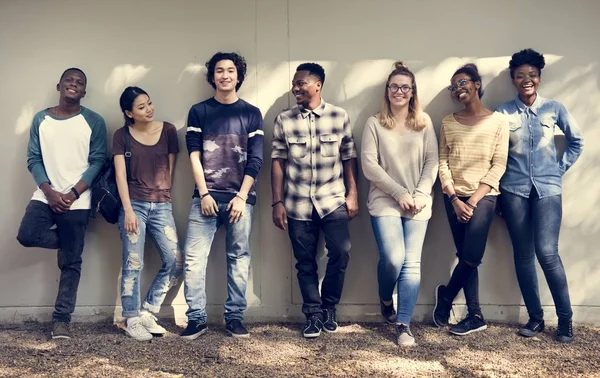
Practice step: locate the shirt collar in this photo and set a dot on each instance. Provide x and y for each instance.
(539, 100)
(318, 111)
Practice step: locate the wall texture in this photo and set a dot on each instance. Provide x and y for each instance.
(161, 46)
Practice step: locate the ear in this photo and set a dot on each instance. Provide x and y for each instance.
(58, 87)
(128, 114)
(319, 85)
(84, 93)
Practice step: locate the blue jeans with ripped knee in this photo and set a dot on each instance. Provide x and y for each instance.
(156, 218)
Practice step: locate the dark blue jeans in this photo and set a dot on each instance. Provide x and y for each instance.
(68, 238)
(304, 236)
(534, 227)
(470, 240)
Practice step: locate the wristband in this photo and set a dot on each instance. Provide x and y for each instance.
(242, 198)
(276, 203)
(204, 195)
(75, 192)
(453, 197)
(471, 205)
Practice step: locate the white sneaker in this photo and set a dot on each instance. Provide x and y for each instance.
(136, 329)
(149, 322)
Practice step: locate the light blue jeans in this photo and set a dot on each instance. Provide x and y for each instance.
(400, 242)
(201, 232)
(156, 218)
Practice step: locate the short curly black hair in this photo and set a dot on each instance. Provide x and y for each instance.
(526, 56)
(238, 61)
(315, 70)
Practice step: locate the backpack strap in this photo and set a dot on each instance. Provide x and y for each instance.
(127, 153)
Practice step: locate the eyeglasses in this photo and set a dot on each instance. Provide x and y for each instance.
(394, 88)
(461, 83)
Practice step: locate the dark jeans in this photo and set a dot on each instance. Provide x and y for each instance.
(304, 236)
(470, 240)
(68, 237)
(534, 227)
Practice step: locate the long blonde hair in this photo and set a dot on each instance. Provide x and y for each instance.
(414, 119)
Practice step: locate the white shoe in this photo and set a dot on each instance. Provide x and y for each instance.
(149, 322)
(136, 329)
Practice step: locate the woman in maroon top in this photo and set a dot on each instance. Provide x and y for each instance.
(145, 193)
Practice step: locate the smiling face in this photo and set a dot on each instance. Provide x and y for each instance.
(463, 88)
(527, 80)
(226, 76)
(142, 110)
(305, 87)
(72, 86)
(399, 91)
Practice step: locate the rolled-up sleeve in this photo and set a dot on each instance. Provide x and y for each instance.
(279, 148)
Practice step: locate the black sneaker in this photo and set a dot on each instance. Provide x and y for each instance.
(441, 310)
(312, 327)
(388, 312)
(330, 324)
(404, 336)
(472, 323)
(193, 330)
(61, 330)
(564, 333)
(236, 328)
(532, 328)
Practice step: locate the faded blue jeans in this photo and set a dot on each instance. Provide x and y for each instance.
(201, 232)
(534, 227)
(157, 219)
(400, 242)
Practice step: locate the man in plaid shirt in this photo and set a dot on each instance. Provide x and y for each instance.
(313, 180)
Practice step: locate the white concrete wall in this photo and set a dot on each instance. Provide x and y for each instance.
(162, 46)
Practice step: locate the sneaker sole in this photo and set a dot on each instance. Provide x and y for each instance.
(60, 337)
(194, 336)
(238, 336)
(329, 331)
(483, 327)
(435, 308)
(146, 338)
(529, 333)
(311, 335)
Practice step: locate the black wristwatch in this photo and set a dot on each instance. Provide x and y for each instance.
(75, 192)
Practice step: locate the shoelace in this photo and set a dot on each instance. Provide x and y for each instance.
(565, 327)
(330, 315)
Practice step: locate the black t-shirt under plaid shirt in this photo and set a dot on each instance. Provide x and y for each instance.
(314, 143)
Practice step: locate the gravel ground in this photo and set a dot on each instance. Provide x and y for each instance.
(274, 350)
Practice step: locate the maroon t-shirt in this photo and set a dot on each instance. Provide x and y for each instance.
(150, 178)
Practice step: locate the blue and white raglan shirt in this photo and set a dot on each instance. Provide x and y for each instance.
(230, 139)
(63, 151)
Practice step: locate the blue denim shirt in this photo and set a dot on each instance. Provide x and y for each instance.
(532, 156)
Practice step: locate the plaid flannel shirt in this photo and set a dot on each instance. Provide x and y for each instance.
(314, 143)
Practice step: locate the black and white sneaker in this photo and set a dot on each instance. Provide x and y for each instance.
(441, 310)
(312, 327)
(193, 330)
(404, 336)
(330, 324)
(61, 330)
(564, 333)
(532, 328)
(388, 312)
(472, 323)
(236, 328)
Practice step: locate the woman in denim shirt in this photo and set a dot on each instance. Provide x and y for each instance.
(531, 190)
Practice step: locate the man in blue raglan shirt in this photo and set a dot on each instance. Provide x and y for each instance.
(66, 151)
(225, 142)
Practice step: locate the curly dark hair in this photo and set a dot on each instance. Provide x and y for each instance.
(238, 61)
(526, 56)
(471, 70)
(315, 70)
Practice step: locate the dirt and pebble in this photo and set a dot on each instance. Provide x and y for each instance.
(278, 350)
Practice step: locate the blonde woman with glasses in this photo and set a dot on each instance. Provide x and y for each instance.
(400, 159)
